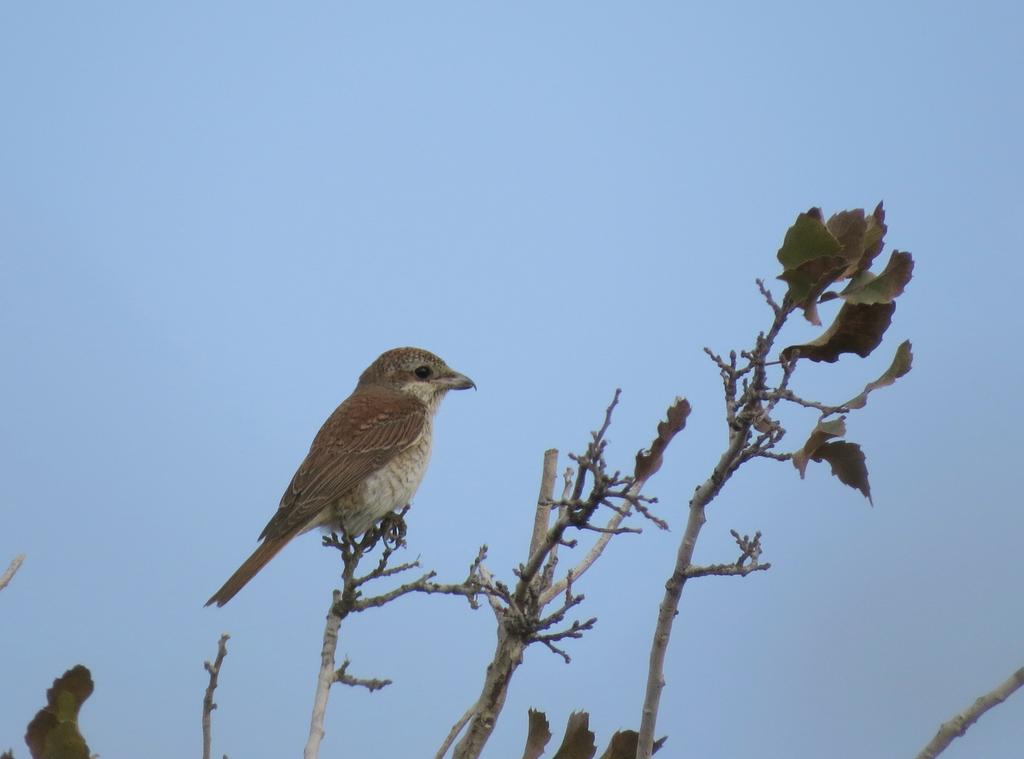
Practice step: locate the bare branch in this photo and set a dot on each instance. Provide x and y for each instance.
(743, 411)
(776, 309)
(723, 570)
(460, 723)
(789, 395)
(325, 678)
(208, 703)
(342, 676)
(13, 567)
(958, 725)
(547, 489)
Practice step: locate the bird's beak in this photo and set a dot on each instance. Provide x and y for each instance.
(456, 381)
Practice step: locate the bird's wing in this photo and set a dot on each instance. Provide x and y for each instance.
(363, 434)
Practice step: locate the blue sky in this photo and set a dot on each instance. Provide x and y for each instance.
(214, 216)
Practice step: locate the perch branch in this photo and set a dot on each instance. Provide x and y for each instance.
(324, 679)
(957, 726)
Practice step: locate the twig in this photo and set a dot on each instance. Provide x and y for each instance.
(789, 395)
(371, 684)
(593, 554)
(208, 703)
(766, 293)
(723, 570)
(454, 732)
(13, 567)
(957, 726)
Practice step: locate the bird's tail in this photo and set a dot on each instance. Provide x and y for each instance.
(267, 550)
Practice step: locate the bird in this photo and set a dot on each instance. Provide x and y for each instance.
(367, 459)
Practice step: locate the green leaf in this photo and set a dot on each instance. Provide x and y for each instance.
(578, 742)
(884, 288)
(538, 736)
(810, 261)
(53, 732)
(848, 464)
(858, 328)
(900, 365)
(807, 239)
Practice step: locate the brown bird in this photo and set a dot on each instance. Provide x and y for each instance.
(366, 461)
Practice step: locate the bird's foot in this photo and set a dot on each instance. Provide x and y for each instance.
(392, 529)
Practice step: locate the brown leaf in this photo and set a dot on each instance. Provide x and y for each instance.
(623, 745)
(900, 365)
(822, 433)
(848, 464)
(874, 238)
(849, 228)
(53, 732)
(578, 742)
(649, 461)
(884, 288)
(856, 329)
(538, 736)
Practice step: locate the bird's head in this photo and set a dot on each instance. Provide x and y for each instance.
(417, 372)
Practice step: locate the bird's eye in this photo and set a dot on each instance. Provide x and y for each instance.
(423, 372)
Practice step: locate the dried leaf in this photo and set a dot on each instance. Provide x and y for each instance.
(900, 365)
(874, 239)
(848, 464)
(623, 745)
(53, 732)
(538, 736)
(822, 433)
(856, 329)
(884, 288)
(649, 461)
(849, 228)
(578, 742)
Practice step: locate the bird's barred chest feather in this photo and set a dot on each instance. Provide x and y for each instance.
(389, 488)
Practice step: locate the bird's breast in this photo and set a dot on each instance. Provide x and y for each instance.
(390, 487)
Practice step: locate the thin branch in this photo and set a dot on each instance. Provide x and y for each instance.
(743, 411)
(723, 570)
(460, 723)
(766, 293)
(957, 726)
(547, 489)
(592, 555)
(13, 567)
(548, 573)
(208, 703)
(325, 679)
(789, 395)
(342, 676)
